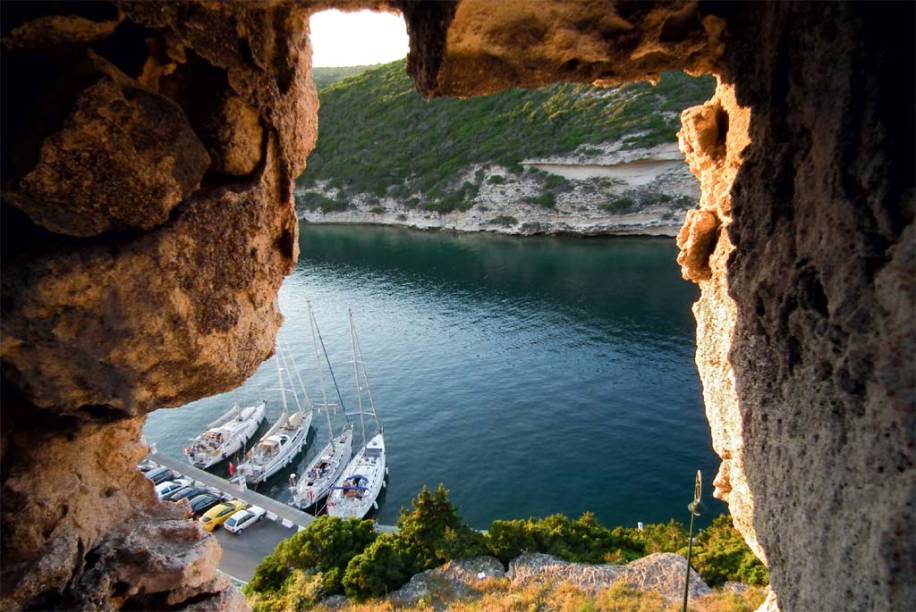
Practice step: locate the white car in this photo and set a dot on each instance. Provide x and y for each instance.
(244, 519)
(169, 486)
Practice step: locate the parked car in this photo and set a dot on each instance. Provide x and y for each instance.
(244, 519)
(160, 475)
(167, 487)
(203, 502)
(147, 465)
(217, 515)
(185, 492)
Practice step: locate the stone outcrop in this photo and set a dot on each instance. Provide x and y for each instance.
(803, 249)
(147, 225)
(455, 581)
(661, 573)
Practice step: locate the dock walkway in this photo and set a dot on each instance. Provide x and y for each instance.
(276, 511)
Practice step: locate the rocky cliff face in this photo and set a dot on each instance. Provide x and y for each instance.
(613, 192)
(148, 157)
(147, 225)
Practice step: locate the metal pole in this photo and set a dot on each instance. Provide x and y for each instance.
(696, 508)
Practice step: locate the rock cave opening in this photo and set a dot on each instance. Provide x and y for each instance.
(803, 247)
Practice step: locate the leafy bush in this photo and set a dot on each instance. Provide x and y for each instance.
(334, 555)
(583, 539)
(327, 546)
(720, 554)
(497, 179)
(430, 534)
(620, 204)
(546, 199)
(504, 220)
(377, 210)
(383, 567)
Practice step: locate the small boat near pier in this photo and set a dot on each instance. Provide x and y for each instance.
(283, 441)
(356, 492)
(225, 436)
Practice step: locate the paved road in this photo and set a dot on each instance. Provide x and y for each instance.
(243, 552)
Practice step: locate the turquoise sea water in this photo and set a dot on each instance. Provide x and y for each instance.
(529, 375)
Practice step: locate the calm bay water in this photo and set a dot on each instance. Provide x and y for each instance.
(530, 376)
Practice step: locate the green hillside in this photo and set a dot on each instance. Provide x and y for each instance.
(325, 77)
(378, 136)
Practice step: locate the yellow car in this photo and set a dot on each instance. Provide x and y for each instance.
(220, 513)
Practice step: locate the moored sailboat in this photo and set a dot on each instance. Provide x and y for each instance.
(358, 488)
(225, 436)
(326, 468)
(283, 441)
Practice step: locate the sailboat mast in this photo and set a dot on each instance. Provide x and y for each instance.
(295, 368)
(359, 394)
(280, 378)
(324, 396)
(289, 377)
(359, 351)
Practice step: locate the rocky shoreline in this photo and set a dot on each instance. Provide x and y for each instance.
(603, 191)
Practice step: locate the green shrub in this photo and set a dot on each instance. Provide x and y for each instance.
(381, 568)
(546, 200)
(429, 534)
(326, 546)
(436, 532)
(377, 210)
(504, 220)
(583, 539)
(720, 554)
(497, 179)
(334, 556)
(620, 204)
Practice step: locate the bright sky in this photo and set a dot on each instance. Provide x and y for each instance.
(361, 37)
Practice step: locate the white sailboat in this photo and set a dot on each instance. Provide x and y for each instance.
(359, 486)
(225, 436)
(285, 438)
(325, 469)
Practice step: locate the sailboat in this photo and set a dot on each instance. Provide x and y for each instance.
(226, 435)
(356, 492)
(326, 468)
(284, 440)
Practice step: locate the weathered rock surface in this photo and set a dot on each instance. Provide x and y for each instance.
(661, 573)
(605, 196)
(454, 581)
(168, 293)
(806, 337)
(124, 159)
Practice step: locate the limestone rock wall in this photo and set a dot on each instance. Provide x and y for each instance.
(147, 221)
(803, 247)
(149, 153)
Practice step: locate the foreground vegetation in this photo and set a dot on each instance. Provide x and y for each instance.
(336, 556)
(379, 136)
(501, 596)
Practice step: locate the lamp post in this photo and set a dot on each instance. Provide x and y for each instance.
(696, 509)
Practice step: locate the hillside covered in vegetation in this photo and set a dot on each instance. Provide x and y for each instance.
(335, 556)
(382, 149)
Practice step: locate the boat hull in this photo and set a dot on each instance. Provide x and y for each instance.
(374, 469)
(236, 442)
(290, 450)
(304, 496)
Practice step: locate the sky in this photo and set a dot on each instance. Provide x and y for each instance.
(360, 37)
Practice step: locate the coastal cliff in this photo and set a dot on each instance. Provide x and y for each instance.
(617, 192)
(566, 159)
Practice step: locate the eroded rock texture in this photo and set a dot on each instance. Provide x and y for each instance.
(148, 154)
(803, 248)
